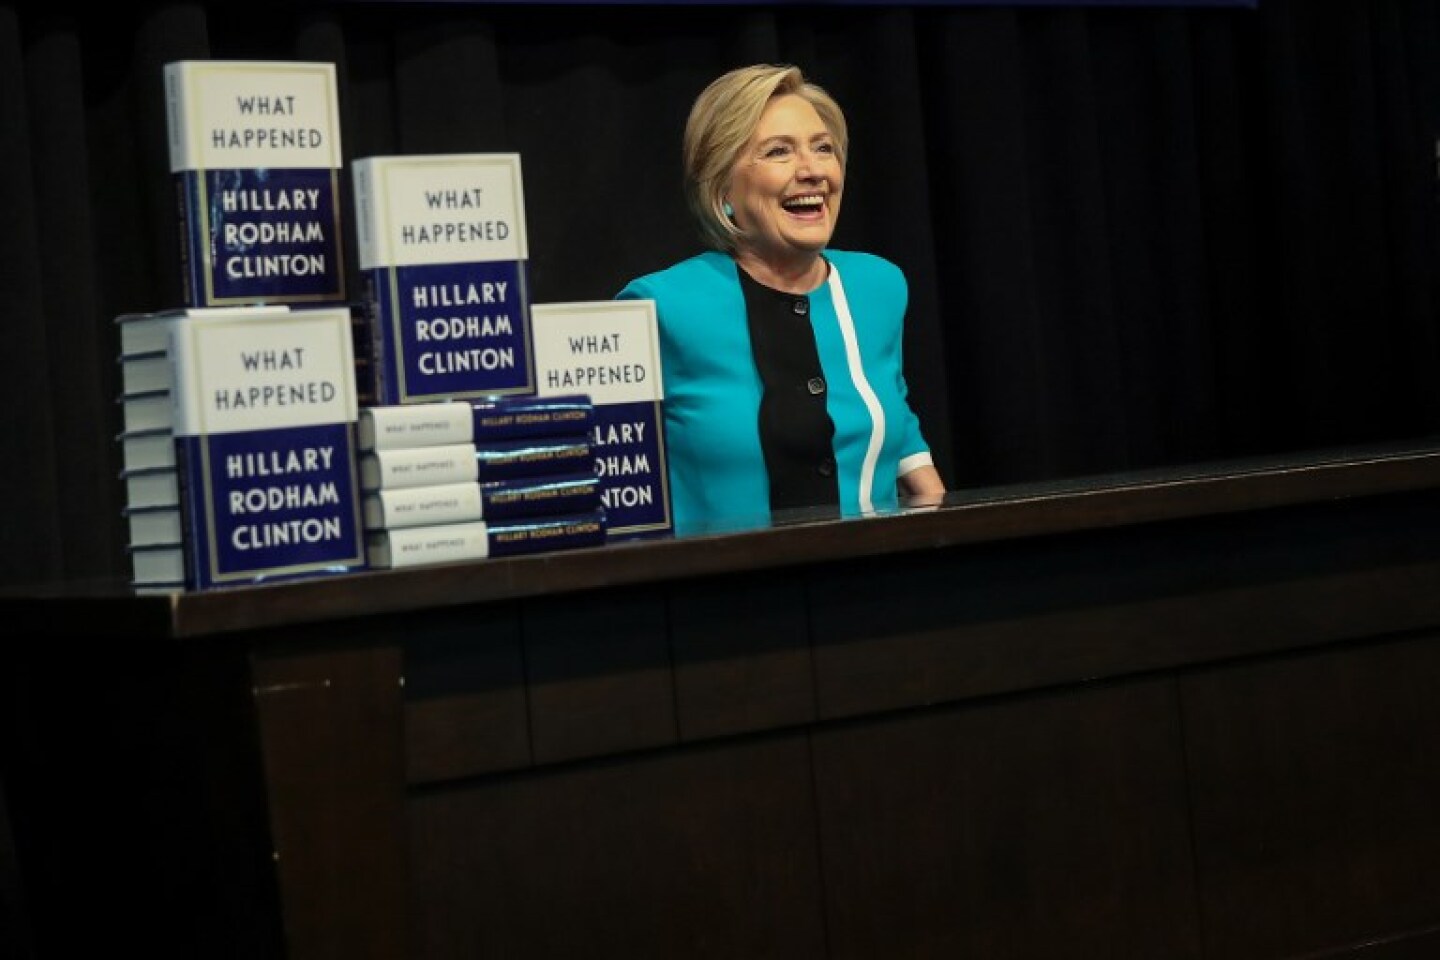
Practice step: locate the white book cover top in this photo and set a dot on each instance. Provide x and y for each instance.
(234, 114)
(432, 209)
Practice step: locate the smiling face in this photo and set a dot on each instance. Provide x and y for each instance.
(785, 187)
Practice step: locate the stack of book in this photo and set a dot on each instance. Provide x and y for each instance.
(147, 441)
(239, 445)
(458, 480)
(239, 407)
(444, 263)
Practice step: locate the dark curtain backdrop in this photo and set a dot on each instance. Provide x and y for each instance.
(1135, 236)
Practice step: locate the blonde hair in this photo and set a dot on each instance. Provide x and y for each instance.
(721, 122)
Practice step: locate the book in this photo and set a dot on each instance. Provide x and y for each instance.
(444, 263)
(255, 156)
(265, 446)
(151, 487)
(155, 526)
(144, 336)
(144, 412)
(142, 333)
(482, 539)
(147, 449)
(361, 348)
(157, 566)
(474, 421)
(392, 509)
(462, 462)
(144, 373)
(610, 350)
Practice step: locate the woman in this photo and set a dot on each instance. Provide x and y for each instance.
(781, 358)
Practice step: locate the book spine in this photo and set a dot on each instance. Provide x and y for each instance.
(524, 497)
(417, 467)
(194, 254)
(462, 462)
(462, 502)
(415, 425)
(544, 534)
(480, 540)
(515, 417)
(477, 421)
(508, 459)
(364, 354)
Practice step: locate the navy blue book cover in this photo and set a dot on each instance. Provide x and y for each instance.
(261, 236)
(265, 447)
(449, 331)
(267, 505)
(630, 460)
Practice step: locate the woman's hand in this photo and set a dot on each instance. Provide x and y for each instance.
(922, 487)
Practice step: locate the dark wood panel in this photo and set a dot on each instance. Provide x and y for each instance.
(741, 648)
(1045, 826)
(1316, 788)
(996, 748)
(935, 642)
(330, 721)
(466, 712)
(699, 852)
(599, 674)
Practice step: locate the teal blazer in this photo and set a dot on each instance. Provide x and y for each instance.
(712, 389)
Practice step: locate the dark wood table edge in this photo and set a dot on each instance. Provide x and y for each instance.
(966, 517)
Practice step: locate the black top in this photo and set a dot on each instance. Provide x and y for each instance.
(796, 433)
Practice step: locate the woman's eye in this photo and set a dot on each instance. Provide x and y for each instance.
(825, 148)
(777, 152)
